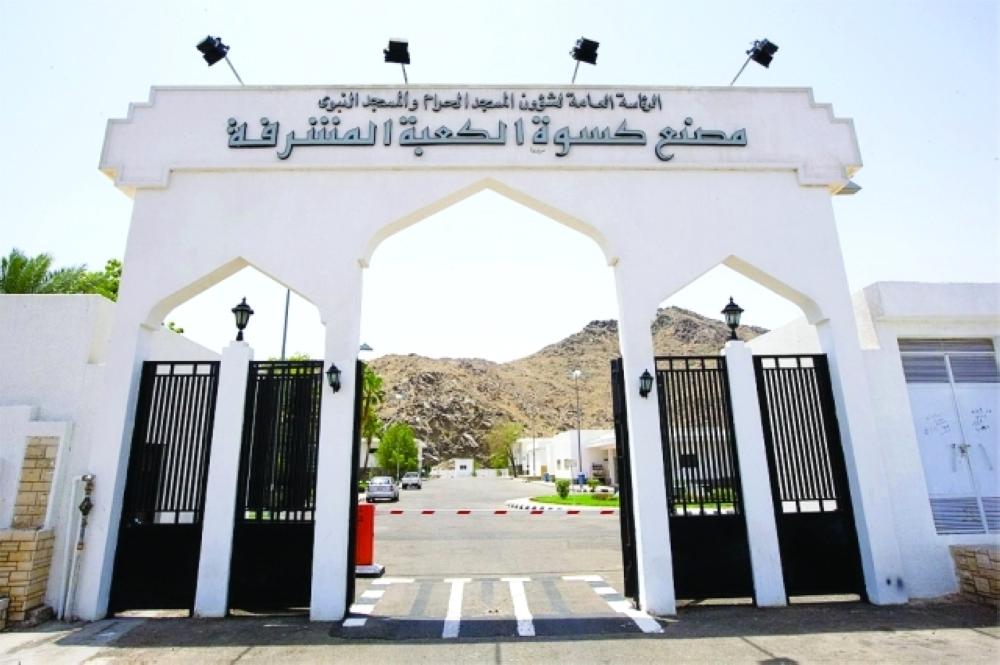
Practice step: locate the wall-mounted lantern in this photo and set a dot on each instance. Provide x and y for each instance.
(645, 384)
(333, 377)
(732, 312)
(242, 312)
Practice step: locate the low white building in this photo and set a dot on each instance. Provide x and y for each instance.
(462, 467)
(559, 455)
(930, 352)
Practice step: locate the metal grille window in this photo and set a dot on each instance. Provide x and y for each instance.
(931, 360)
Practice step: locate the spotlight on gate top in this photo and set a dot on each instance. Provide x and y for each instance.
(398, 52)
(585, 51)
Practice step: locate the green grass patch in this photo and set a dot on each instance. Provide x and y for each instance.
(587, 499)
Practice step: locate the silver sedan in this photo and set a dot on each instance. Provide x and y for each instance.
(381, 487)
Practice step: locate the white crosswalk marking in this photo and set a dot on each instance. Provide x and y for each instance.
(453, 620)
(525, 624)
(373, 594)
(646, 623)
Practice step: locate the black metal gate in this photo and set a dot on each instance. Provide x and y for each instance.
(708, 535)
(812, 504)
(623, 473)
(159, 537)
(272, 557)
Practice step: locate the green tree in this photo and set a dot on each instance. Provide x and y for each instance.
(398, 449)
(20, 273)
(372, 397)
(500, 442)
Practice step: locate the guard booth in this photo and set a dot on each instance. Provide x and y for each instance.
(668, 182)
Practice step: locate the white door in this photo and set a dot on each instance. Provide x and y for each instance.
(954, 388)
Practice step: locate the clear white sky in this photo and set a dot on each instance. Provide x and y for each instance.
(920, 80)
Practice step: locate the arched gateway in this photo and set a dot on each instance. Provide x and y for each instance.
(304, 182)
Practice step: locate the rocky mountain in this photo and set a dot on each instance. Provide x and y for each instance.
(452, 402)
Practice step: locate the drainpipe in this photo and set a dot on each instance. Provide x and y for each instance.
(86, 482)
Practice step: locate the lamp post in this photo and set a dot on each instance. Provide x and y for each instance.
(579, 446)
(732, 312)
(242, 314)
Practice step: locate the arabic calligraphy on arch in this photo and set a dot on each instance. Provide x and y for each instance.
(326, 131)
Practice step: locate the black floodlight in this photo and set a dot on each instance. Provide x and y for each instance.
(762, 52)
(242, 313)
(212, 49)
(645, 383)
(584, 51)
(398, 53)
(732, 312)
(333, 377)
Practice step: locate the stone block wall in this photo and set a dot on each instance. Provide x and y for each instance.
(25, 556)
(26, 549)
(978, 570)
(36, 482)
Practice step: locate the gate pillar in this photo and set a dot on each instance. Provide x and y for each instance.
(762, 532)
(880, 556)
(652, 534)
(211, 598)
(109, 462)
(333, 564)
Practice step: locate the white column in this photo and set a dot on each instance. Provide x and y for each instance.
(333, 474)
(128, 348)
(212, 596)
(758, 507)
(880, 556)
(649, 495)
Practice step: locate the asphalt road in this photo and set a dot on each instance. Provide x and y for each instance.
(485, 544)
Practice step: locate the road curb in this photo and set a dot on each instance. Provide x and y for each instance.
(527, 504)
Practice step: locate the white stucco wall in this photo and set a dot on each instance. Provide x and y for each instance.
(886, 312)
(52, 354)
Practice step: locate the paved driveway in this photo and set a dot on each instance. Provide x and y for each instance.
(456, 567)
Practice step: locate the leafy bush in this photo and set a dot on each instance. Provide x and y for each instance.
(562, 487)
(604, 496)
(592, 483)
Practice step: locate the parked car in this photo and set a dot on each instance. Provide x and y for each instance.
(411, 479)
(381, 487)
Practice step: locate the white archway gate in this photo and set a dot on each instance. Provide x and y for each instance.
(304, 182)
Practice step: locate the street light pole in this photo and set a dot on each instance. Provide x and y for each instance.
(579, 446)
